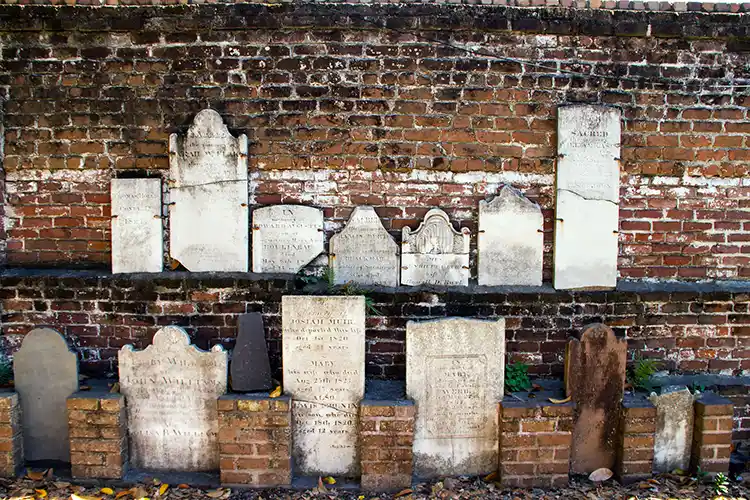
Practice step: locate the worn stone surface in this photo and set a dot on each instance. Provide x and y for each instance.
(170, 390)
(324, 362)
(286, 238)
(595, 378)
(45, 373)
(208, 216)
(250, 368)
(674, 428)
(587, 206)
(137, 243)
(510, 242)
(364, 253)
(435, 254)
(455, 375)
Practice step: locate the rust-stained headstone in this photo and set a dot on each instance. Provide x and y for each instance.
(595, 378)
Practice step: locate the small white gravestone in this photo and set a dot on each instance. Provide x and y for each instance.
(364, 253)
(510, 240)
(674, 429)
(208, 216)
(588, 194)
(170, 390)
(435, 254)
(455, 374)
(286, 238)
(324, 361)
(136, 225)
(45, 373)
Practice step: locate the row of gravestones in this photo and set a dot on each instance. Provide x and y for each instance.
(455, 376)
(208, 216)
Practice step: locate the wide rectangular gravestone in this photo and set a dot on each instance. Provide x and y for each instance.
(510, 240)
(455, 375)
(435, 254)
(208, 213)
(588, 194)
(170, 389)
(364, 253)
(45, 373)
(674, 429)
(137, 243)
(324, 361)
(286, 238)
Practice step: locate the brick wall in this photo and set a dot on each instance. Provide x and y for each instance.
(386, 433)
(11, 435)
(712, 434)
(635, 453)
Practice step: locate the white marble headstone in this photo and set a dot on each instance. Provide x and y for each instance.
(588, 187)
(208, 216)
(324, 362)
(510, 240)
(170, 391)
(455, 374)
(136, 226)
(435, 254)
(364, 253)
(673, 440)
(286, 238)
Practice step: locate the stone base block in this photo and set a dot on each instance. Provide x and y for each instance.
(635, 456)
(386, 430)
(11, 437)
(712, 434)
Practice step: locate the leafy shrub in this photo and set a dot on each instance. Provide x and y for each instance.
(517, 377)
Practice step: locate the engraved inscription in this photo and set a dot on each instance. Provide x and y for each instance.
(286, 238)
(136, 225)
(456, 399)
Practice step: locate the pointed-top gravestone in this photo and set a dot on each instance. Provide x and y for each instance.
(364, 253)
(435, 254)
(674, 429)
(45, 373)
(595, 379)
(286, 238)
(170, 390)
(250, 368)
(510, 240)
(208, 196)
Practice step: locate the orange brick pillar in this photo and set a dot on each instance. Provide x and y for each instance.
(535, 440)
(712, 434)
(635, 455)
(255, 440)
(11, 438)
(386, 433)
(97, 427)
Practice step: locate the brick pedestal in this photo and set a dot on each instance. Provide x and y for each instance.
(535, 440)
(255, 440)
(386, 433)
(712, 434)
(635, 456)
(11, 438)
(97, 426)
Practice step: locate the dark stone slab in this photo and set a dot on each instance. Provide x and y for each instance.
(250, 368)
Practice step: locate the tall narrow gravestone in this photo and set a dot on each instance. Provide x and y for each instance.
(435, 254)
(510, 240)
(364, 253)
(324, 360)
(588, 196)
(286, 238)
(208, 216)
(170, 390)
(674, 429)
(45, 373)
(595, 379)
(136, 225)
(455, 375)
(250, 368)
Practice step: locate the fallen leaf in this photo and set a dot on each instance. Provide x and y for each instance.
(115, 387)
(124, 493)
(321, 487)
(163, 489)
(402, 493)
(139, 492)
(156, 481)
(49, 473)
(217, 493)
(174, 264)
(329, 480)
(490, 477)
(276, 392)
(61, 484)
(560, 401)
(35, 475)
(79, 497)
(183, 486)
(536, 387)
(41, 493)
(600, 475)
(107, 491)
(84, 388)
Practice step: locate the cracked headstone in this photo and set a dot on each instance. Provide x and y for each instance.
(587, 197)
(286, 238)
(136, 225)
(208, 214)
(250, 368)
(674, 428)
(435, 254)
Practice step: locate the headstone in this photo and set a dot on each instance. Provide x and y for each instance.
(208, 216)
(324, 360)
(435, 254)
(588, 195)
(674, 429)
(136, 226)
(45, 373)
(455, 374)
(510, 240)
(286, 238)
(250, 368)
(170, 390)
(364, 253)
(595, 379)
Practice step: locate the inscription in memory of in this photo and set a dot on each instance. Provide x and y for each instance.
(323, 358)
(456, 377)
(136, 225)
(286, 238)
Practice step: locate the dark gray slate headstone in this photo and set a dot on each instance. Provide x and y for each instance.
(250, 368)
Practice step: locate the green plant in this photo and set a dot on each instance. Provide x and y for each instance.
(721, 484)
(639, 375)
(517, 377)
(6, 370)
